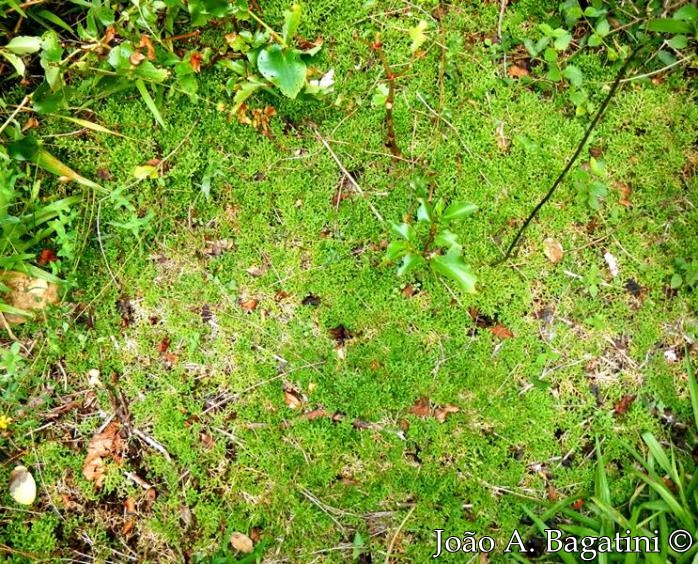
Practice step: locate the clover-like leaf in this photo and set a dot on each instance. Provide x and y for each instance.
(284, 68)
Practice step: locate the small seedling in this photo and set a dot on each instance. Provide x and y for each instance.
(430, 242)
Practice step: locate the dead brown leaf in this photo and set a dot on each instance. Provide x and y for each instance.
(241, 542)
(553, 250)
(136, 58)
(292, 398)
(624, 192)
(341, 334)
(516, 71)
(421, 407)
(148, 44)
(103, 446)
(26, 293)
(501, 331)
(217, 248)
(316, 414)
(256, 271)
(195, 61)
(248, 305)
(623, 404)
(441, 413)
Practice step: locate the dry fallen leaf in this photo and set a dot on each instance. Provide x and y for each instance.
(255, 271)
(22, 486)
(553, 250)
(501, 331)
(623, 404)
(292, 398)
(441, 413)
(249, 305)
(102, 446)
(148, 44)
(241, 542)
(515, 71)
(136, 58)
(217, 248)
(195, 61)
(421, 407)
(26, 293)
(624, 190)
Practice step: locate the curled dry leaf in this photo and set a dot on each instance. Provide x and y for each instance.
(241, 542)
(249, 305)
(292, 398)
(501, 331)
(624, 192)
(195, 61)
(217, 248)
(441, 413)
(102, 446)
(553, 250)
(22, 486)
(26, 293)
(136, 58)
(516, 71)
(421, 407)
(623, 404)
(148, 44)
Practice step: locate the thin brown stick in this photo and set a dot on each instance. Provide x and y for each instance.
(390, 76)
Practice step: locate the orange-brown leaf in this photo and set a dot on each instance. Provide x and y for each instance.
(421, 407)
(501, 331)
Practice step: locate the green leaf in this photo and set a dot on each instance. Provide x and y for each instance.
(573, 74)
(678, 42)
(145, 171)
(562, 42)
(396, 249)
(418, 36)
(603, 27)
(292, 19)
(245, 90)
(692, 387)
(410, 262)
(676, 281)
(24, 45)
(15, 61)
(595, 40)
(54, 19)
(380, 96)
(404, 230)
(140, 85)
(284, 68)
(453, 266)
(688, 13)
(666, 25)
(425, 211)
(446, 238)
(459, 210)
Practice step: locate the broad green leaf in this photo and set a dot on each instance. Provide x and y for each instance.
(404, 230)
(458, 210)
(603, 27)
(554, 73)
(561, 43)
(149, 102)
(688, 13)
(292, 19)
(425, 211)
(573, 74)
(678, 42)
(15, 61)
(23, 45)
(396, 249)
(418, 36)
(546, 29)
(446, 238)
(380, 96)
(667, 25)
(410, 262)
(284, 68)
(453, 266)
(595, 40)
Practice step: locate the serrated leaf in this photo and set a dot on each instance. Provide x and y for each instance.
(292, 19)
(573, 74)
(410, 262)
(454, 267)
(425, 211)
(23, 45)
(562, 42)
(404, 230)
(284, 68)
(418, 36)
(458, 210)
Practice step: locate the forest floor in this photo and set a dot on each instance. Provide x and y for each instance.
(236, 336)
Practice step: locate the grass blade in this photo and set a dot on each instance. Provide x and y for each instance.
(692, 386)
(147, 98)
(90, 125)
(48, 162)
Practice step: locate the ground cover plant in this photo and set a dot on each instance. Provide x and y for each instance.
(281, 333)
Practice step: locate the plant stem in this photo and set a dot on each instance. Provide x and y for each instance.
(377, 46)
(587, 134)
(275, 35)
